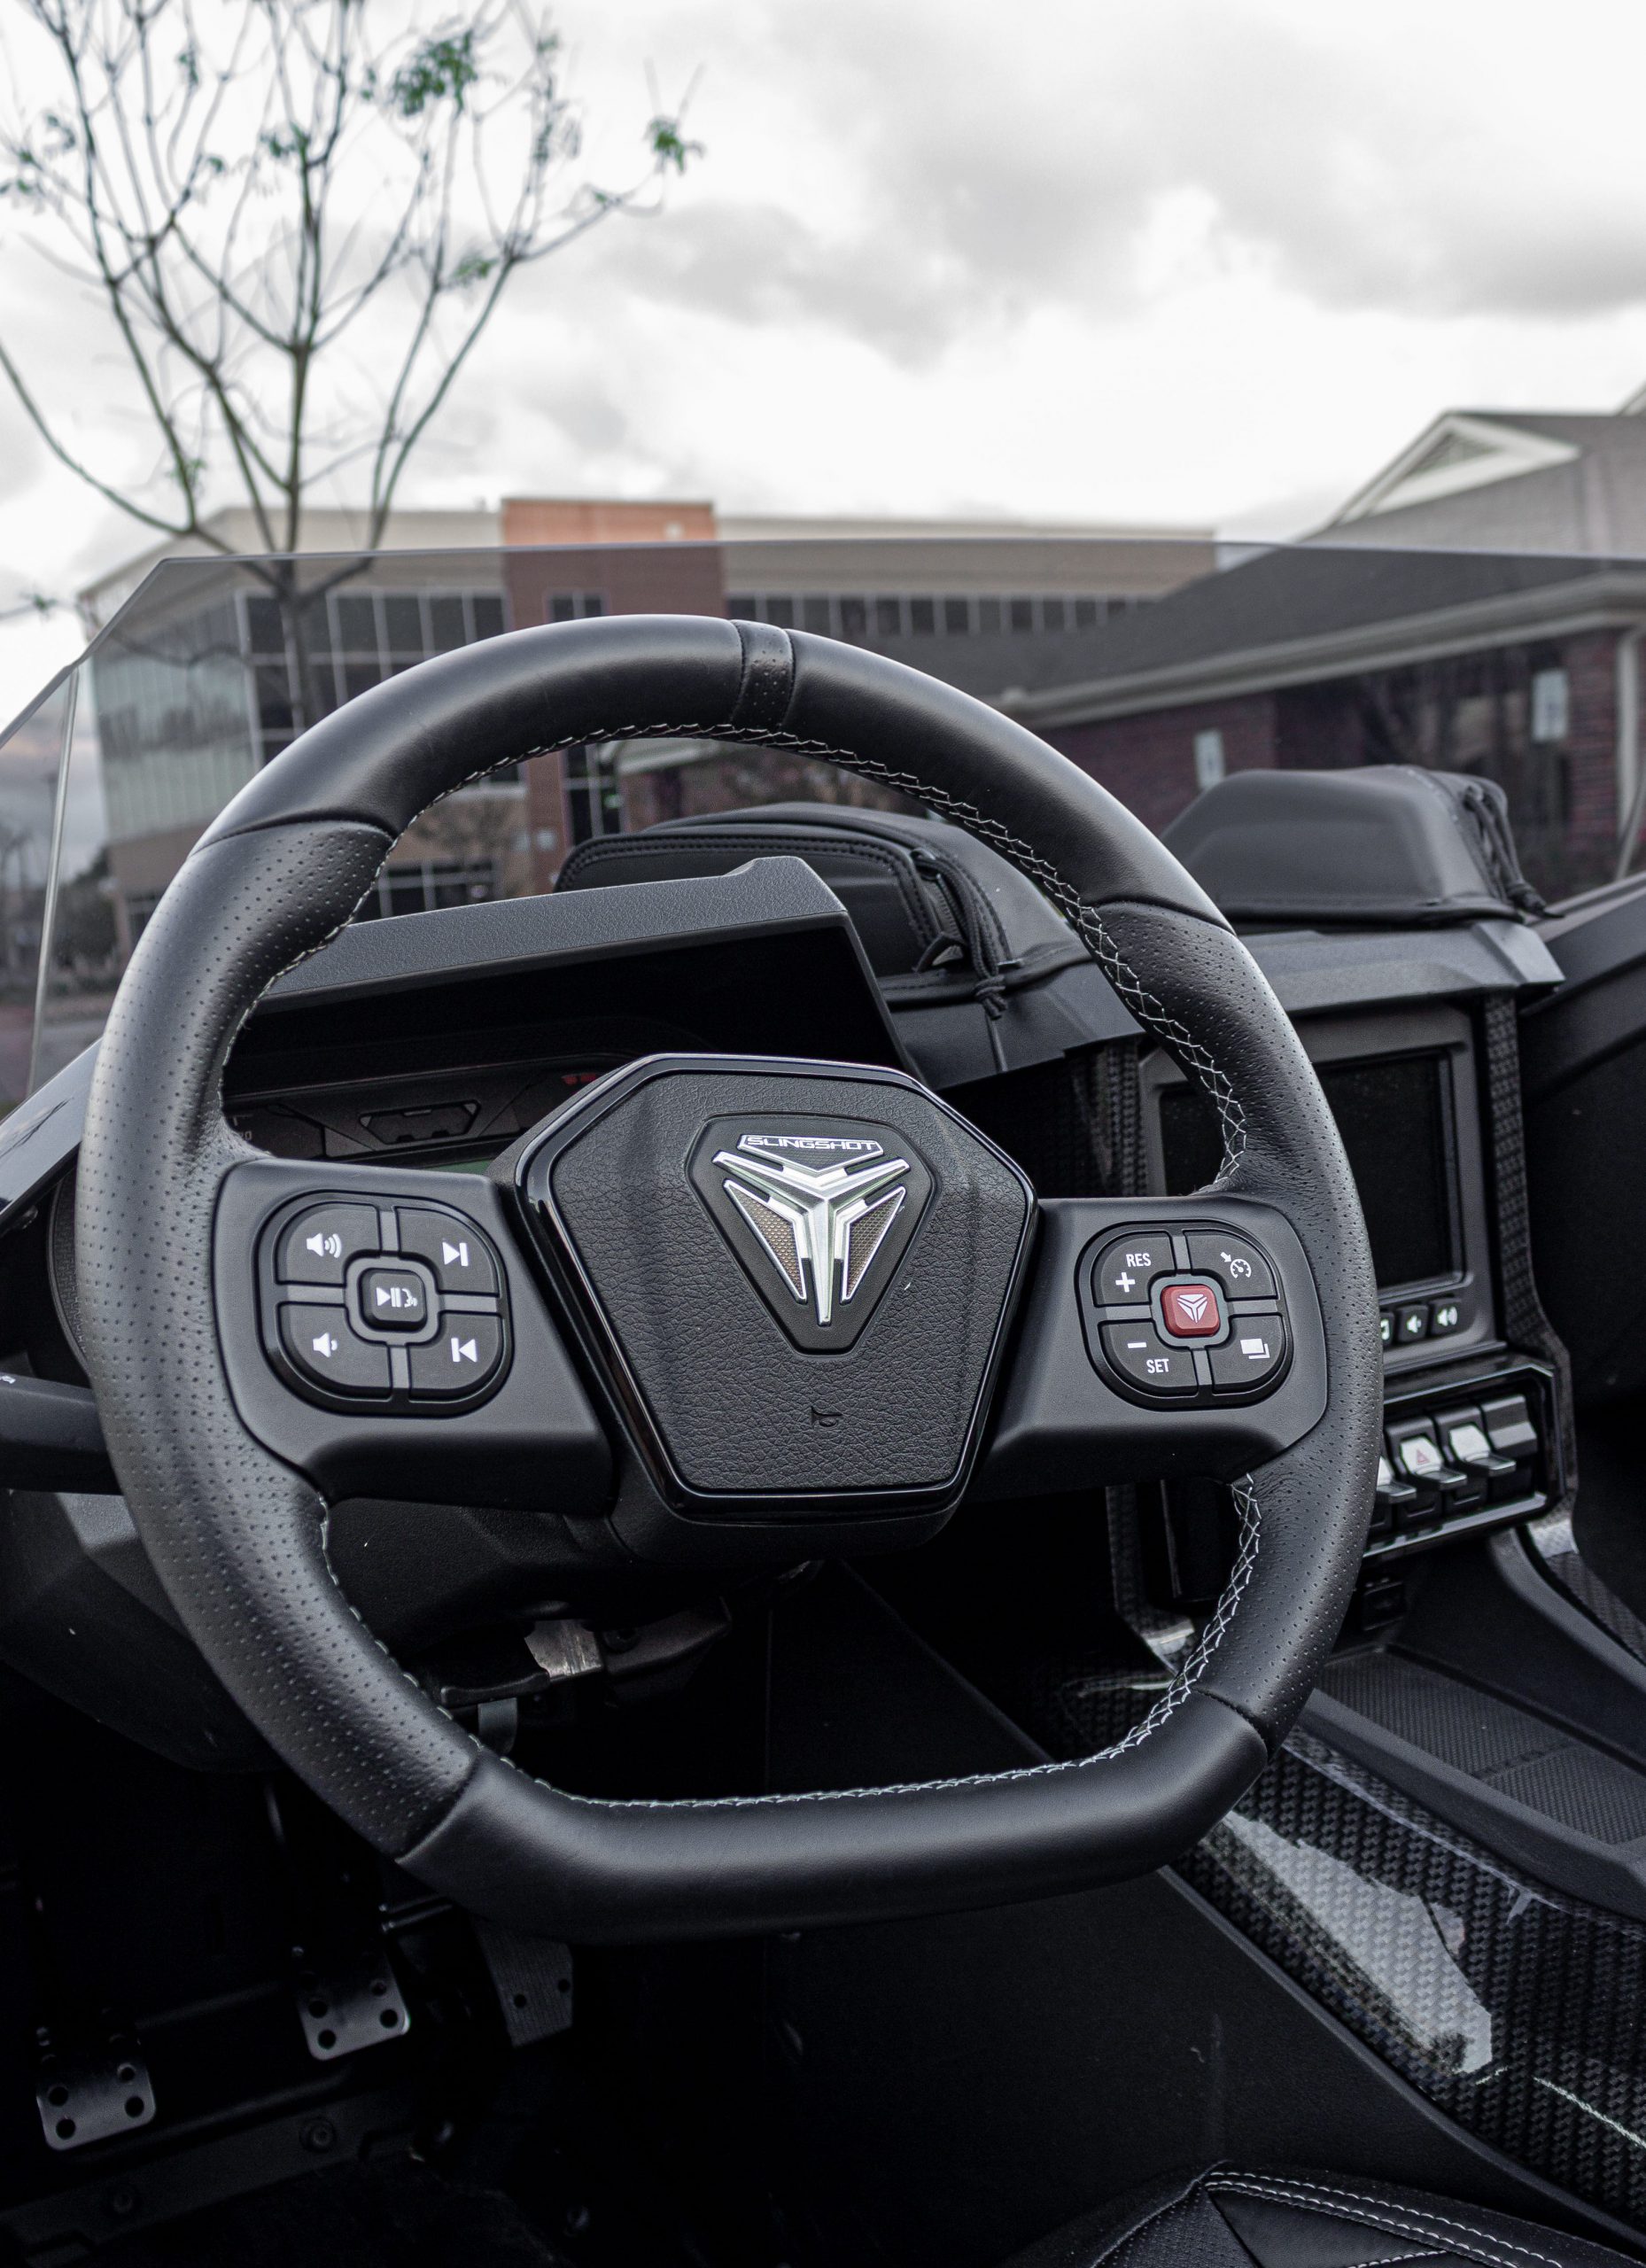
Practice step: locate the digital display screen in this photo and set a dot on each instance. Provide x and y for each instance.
(1396, 1128)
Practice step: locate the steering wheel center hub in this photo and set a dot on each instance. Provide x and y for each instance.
(794, 1279)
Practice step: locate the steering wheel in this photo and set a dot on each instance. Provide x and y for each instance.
(668, 1272)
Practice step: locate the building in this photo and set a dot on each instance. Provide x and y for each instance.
(1510, 480)
(206, 669)
(1479, 606)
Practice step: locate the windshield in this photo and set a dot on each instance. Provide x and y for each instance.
(1159, 664)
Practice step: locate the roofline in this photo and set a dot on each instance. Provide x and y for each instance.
(1537, 451)
(1601, 602)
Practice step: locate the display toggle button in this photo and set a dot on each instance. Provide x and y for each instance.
(1251, 1354)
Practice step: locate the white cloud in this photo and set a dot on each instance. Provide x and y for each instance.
(1205, 261)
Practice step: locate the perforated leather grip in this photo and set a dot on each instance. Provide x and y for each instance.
(237, 1537)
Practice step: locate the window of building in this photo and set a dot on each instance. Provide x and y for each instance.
(1209, 763)
(349, 641)
(356, 617)
(265, 632)
(895, 616)
(593, 793)
(1551, 705)
(447, 629)
(422, 886)
(561, 606)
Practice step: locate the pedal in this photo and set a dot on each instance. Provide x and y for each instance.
(351, 2004)
(531, 1978)
(90, 2094)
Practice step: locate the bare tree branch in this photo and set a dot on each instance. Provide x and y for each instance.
(249, 192)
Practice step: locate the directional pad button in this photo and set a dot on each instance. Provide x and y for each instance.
(1127, 1267)
(323, 1346)
(463, 1356)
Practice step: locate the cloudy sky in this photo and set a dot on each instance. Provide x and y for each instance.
(1204, 262)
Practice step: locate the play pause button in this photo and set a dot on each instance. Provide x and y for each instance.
(463, 1357)
(392, 1299)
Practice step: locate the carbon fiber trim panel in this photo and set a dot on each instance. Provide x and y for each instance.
(1520, 2013)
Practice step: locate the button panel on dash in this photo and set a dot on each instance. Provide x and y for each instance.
(1174, 1313)
(364, 1302)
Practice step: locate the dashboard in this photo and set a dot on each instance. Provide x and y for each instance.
(433, 1042)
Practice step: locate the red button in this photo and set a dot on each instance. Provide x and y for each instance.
(1191, 1311)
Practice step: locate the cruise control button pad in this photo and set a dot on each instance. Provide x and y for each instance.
(1185, 1313)
(367, 1304)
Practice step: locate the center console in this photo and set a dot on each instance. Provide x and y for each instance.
(1408, 1023)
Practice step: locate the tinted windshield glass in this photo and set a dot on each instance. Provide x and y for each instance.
(1160, 665)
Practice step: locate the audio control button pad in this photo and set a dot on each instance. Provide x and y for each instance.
(354, 1312)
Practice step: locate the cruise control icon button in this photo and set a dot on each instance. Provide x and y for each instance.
(1239, 1264)
(465, 1355)
(321, 1344)
(1191, 1311)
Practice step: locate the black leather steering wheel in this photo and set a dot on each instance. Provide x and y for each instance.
(227, 1463)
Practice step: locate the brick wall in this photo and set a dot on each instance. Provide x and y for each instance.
(1148, 761)
(1562, 795)
(1593, 816)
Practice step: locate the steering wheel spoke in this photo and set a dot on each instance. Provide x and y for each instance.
(1161, 1337)
(382, 1332)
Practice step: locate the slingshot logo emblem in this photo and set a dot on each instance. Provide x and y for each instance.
(819, 1208)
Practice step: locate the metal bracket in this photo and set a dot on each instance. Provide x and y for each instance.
(89, 2095)
(350, 2006)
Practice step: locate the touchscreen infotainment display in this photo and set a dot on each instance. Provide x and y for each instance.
(1396, 1128)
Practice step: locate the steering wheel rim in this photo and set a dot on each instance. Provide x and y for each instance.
(237, 1537)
